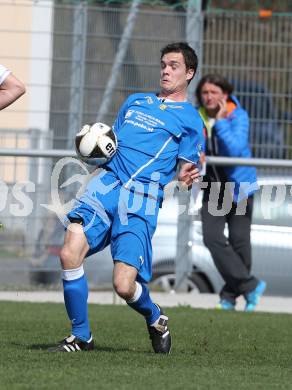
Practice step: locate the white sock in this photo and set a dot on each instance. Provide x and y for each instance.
(137, 293)
(72, 274)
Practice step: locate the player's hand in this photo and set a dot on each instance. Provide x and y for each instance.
(222, 113)
(189, 173)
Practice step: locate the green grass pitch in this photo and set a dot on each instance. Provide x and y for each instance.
(211, 350)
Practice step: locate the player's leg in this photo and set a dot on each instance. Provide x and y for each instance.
(135, 294)
(132, 251)
(88, 233)
(128, 247)
(74, 280)
(75, 289)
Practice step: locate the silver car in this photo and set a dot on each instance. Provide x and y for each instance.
(271, 238)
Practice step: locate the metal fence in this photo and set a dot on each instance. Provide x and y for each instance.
(253, 53)
(118, 55)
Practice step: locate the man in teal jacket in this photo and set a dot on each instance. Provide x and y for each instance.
(228, 197)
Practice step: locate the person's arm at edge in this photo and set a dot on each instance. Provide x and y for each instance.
(10, 90)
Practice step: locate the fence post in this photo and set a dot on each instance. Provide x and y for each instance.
(34, 166)
(118, 61)
(182, 259)
(77, 71)
(194, 35)
(184, 220)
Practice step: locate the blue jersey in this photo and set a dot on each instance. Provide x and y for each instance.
(151, 136)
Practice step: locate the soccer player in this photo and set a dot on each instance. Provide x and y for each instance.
(10, 87)
(119, 207)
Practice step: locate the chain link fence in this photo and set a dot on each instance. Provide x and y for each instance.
(254, 54)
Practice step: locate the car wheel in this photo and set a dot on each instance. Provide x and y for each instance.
(194, 284)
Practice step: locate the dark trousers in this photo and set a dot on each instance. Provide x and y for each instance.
(232, 255)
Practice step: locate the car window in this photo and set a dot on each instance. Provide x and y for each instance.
(273, 205)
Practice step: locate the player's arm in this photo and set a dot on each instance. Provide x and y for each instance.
(10, 90)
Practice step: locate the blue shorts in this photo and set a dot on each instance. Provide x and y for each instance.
(114, 215)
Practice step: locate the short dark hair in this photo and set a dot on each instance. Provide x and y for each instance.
(189, 54)
(215, 79)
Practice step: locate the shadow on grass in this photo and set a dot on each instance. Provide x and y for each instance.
(97, 348)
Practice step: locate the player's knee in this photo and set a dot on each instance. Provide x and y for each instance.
(122, 288)
(67, 258)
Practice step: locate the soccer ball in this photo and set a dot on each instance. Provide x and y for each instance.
(96, 144)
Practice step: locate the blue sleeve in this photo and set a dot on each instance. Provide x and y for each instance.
(233, 134)
(192, 143)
